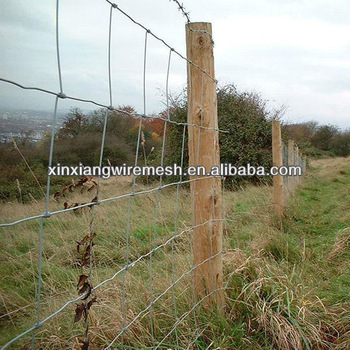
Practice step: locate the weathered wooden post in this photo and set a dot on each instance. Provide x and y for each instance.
(291, 162)
(304, 165)
(203, 146)
(277, 160)
(297, 161)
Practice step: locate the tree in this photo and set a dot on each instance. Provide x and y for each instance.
(248, 140)
(324, 137)
(76, 123)
(341, 144)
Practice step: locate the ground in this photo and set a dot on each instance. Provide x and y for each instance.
(287, 282)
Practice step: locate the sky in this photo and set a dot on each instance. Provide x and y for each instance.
(295, 53)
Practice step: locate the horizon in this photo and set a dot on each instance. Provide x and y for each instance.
(66, 111)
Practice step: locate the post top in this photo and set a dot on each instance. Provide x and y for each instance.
(199, 25)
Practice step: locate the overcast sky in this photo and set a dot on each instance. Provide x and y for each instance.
(294, 52)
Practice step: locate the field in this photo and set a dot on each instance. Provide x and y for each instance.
(287, 283)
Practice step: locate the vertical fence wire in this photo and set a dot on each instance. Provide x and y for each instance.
(176, 208)
(193, 211)
(285, 164)
(155, 204)
(292, 159)
(158, 193)
(47, 201)
(176, 234)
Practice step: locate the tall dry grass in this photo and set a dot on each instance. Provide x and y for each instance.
(267, 303)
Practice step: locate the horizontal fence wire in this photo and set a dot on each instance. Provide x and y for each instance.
(119, 272)
(100, 201)
(135, 115)
(129, 264)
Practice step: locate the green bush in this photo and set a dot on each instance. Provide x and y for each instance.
(248, 140)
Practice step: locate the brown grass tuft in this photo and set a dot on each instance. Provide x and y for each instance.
(341, 245)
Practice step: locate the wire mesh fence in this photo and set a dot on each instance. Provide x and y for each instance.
(142, 297)
(151, 292)
(285, 156)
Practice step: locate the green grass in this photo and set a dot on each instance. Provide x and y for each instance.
(287, 283)
(318, 212)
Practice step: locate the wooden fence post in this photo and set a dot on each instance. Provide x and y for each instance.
(278, 200)
(297, 160)
(203, 146)
(304, 164)
(291, 162)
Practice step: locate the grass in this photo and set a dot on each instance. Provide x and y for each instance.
(286, 284)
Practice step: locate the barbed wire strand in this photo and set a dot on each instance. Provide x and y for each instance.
(203, 31)
(182, 9)
(160, 39)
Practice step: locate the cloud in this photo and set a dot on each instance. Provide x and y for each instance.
(262, 31)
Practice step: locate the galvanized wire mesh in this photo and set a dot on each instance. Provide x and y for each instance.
(156, 298)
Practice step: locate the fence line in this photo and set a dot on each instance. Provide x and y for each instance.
(288, 156)
(207, 253)
(100, 201)
(120, 271)
(88, 295)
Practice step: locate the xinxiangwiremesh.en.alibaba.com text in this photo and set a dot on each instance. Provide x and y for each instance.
(223, 170)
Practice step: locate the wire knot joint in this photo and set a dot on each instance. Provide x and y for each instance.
(47, 214)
